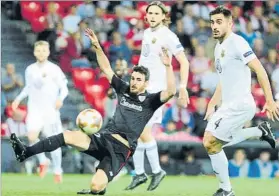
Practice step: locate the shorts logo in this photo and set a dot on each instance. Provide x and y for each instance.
(97, 135)
(110, 173)
(145, 50)
(248, 54)
(218, 66)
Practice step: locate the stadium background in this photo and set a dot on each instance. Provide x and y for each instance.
(119, 26)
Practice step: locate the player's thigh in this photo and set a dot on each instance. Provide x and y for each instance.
(112, 163)
(226, 121)
(77, 139)
(34, 125)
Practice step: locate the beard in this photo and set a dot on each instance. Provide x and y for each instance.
(154, 25)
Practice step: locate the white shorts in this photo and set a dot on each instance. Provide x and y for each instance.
(156, 118)
(47, 123)
(229, 119)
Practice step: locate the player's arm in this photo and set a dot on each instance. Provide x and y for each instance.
(184, 69)
(101, 57)
(216, 98)
(178, 51)
(25, 91)
(171, 87)
(256, 66)
(249, 58)
(63, 89)
(214, 101)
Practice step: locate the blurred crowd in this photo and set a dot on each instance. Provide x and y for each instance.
(119, 27)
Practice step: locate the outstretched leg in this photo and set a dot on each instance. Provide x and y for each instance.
(73, 138)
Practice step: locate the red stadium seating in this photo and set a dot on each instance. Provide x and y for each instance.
(83, 77)
(135, 59)
(9, 110)
(31, 10)
(103, 81)
(39, 24)
(96, 90)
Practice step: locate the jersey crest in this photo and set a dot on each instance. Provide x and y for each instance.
(142, 98)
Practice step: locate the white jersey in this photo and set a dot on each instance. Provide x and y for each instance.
(231, 59)
(44, 85)
(152, 44)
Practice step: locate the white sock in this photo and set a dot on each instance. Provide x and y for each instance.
(245, 134)
(138, 158)
(220, 166)
(153, 156)
(41, 157)
(56, 157)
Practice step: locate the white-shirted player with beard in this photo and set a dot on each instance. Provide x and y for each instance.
(158, 35)
(234, 60)
(46, 88)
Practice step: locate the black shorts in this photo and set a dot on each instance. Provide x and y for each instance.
(112, 154)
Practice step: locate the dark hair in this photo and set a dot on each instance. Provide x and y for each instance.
(142, 70)
(221, 10)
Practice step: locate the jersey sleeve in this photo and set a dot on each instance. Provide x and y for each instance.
(62, 82)
(174, 44)
(26, 90)
(244, 51)
(155, 100)
(118, 84)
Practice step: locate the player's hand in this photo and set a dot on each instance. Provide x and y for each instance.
(166, 60)
(58, 104)
(272, 110)
(183, 98)
(15, 105)
(209, 111)
(92, 36)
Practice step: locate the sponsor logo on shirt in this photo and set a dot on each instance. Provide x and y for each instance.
(248, 54)
(125, 103)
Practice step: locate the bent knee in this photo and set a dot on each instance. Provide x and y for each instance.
(97, 186)
(210, 142)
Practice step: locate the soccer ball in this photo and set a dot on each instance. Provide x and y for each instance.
(89, 121)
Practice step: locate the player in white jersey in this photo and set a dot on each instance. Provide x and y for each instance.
(46, 88)
(233, 61)
(156, 37)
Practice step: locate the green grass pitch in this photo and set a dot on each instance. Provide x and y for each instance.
(22, 185)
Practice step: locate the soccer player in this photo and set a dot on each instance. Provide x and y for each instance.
(46, 88)
(234, 60)
(156, 36)
(115, 142)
